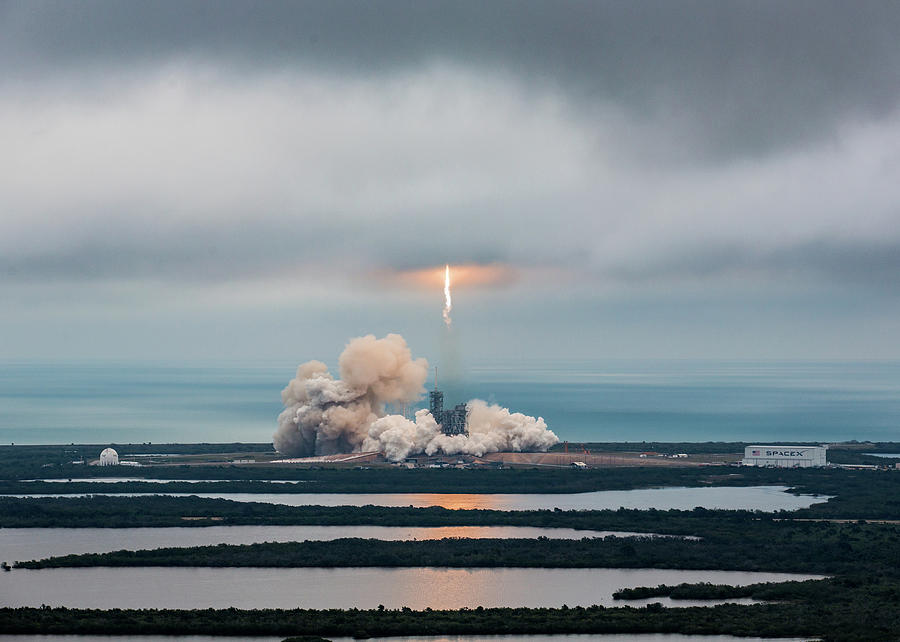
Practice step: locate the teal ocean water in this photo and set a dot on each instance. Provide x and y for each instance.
(597, 400)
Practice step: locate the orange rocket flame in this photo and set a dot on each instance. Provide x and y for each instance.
(471, 275)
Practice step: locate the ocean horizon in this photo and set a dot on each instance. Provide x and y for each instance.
(581, 400)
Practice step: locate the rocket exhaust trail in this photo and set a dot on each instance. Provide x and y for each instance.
(448, 302)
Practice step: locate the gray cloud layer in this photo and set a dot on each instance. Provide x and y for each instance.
(623, 142)
(736, 77)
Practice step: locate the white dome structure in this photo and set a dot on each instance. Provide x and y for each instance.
(109, 457)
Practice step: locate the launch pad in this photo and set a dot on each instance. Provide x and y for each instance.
(451, 422)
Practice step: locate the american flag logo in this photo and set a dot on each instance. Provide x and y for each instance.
(754, 453)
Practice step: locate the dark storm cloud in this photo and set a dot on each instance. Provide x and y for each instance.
(215, 141)
(729, 78)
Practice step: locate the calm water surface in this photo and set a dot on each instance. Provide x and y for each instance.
(23, 544)
(320, 588)
(581, 400)
(764, 498)
(609, 637)
(144, 638)
(153, 480)
(641, 637)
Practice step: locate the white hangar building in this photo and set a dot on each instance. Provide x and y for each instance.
(785, 456)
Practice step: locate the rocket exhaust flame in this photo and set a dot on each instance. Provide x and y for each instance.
(448, 302)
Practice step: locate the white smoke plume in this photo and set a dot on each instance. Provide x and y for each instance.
(324, 415)
(491, 429)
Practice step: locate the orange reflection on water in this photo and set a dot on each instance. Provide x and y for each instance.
(444, 532)
(456, 501)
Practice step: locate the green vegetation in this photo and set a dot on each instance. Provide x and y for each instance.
(768, 591)
(831, 609)
(36, 462)
(27, 462)
(701, 591)
(850, 483)
(859, 602)
(160, 510)
(381, 480)
(809, 590)
(859, 457)
(749, 545)
(720, 447)
(856, 494)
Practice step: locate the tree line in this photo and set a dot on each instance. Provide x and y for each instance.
(844, 611)
(804, 547)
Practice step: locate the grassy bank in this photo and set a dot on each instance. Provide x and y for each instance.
(827, 481)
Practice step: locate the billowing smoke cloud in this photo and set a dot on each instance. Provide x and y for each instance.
(491, 429)
(324, 415)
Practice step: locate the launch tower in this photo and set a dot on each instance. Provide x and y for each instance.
(451, 422)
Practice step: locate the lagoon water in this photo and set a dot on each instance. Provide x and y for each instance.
(609, 637)
(613, 637)
(582, 400)
(24, 544)
(417, 588)
(764, 498)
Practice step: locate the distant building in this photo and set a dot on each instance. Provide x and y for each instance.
(109, 457)
(785, 456)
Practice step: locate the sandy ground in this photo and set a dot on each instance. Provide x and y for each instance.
(552, 459)
(607, 459)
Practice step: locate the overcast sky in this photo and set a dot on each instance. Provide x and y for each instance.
(252, 180)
